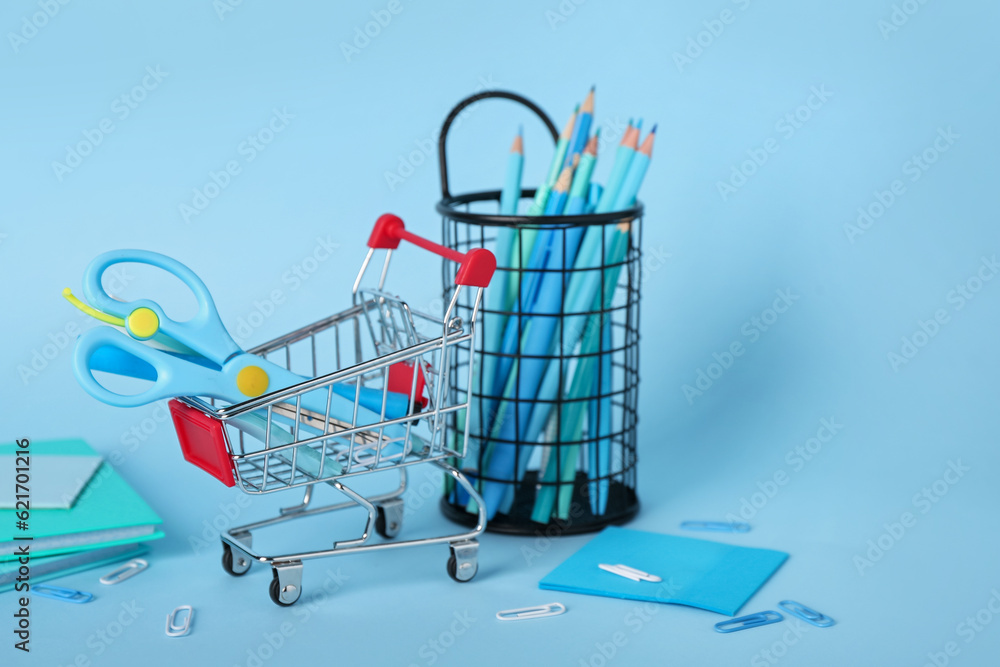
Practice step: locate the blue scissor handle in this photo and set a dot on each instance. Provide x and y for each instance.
(205, 333)
(174, 376)
(107, 349)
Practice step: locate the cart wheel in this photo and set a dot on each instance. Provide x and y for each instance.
(389, 518)
(235, 564)
(463, 564)
(290, 597)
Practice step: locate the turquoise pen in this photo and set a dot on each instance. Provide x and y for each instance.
(588, 287)
(618, 248)
(496, 299)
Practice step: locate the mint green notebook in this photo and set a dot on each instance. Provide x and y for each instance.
(107, 511)
(55, 567)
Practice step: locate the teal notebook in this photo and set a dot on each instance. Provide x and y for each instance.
(698, 573)
(106, 513)
(47, 568)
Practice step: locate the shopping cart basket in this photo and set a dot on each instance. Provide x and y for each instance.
(377, 347)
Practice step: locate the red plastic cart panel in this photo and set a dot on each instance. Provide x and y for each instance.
(203, 441)
(401, 381)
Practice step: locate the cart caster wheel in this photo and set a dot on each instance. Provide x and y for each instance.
(235, 564)
(286, 584)
(389, 519)
(463, 564)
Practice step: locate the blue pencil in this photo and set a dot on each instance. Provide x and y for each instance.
(496, 299)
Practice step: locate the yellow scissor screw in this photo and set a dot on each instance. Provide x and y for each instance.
(142, 323)
(252, 381)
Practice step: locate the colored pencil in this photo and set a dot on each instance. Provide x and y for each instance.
(496, 301)
(562, 146)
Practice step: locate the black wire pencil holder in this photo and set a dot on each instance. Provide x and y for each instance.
(602, 490)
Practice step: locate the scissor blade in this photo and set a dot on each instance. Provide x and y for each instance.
(116, 360)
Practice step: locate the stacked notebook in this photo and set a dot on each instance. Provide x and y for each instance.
(82, 513)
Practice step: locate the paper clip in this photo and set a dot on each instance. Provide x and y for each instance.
(811, 616)
(175, 629)
(718, 526)
(629, 572)
(64, 594)
(747, 622)
(541, 611)
(126, 571)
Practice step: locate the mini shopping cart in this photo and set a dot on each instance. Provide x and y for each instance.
(379, 349)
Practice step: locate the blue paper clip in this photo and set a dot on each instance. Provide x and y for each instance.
(747, 622)
(718, 526)
(64, 594)
(811, 616)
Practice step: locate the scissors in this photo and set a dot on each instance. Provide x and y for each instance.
(212, 365)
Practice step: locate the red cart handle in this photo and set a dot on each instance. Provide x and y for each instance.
(477, 265)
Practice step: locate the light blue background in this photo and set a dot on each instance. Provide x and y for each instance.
(721, 263)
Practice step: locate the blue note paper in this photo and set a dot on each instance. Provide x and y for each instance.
(698, 573)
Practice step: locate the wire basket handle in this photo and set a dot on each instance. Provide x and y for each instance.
(472, 99)
(477, 265)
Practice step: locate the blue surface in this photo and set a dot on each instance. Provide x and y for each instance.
(351, 139)
(698, 573)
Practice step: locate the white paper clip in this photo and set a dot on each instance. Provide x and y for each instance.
(175, 629)
(126, 571)
(541, 611)
(629, 572)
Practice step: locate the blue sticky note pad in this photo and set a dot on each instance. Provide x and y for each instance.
(698, 573)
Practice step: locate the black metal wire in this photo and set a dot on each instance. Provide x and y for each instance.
(468, 229)
(464, 226)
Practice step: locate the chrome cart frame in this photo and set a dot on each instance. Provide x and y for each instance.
(386, 356)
